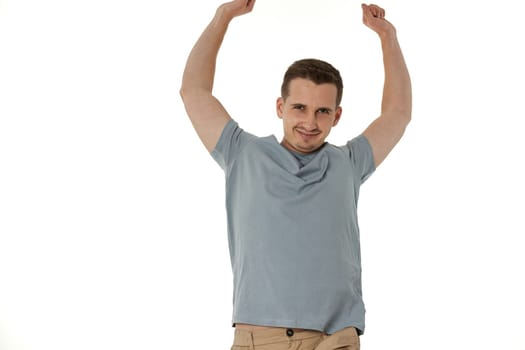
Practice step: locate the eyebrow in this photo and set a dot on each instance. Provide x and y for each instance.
(303, 105)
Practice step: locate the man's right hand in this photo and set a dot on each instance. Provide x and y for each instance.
(236, 8)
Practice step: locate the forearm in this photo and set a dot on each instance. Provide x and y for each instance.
(397, 90)
(199, 72)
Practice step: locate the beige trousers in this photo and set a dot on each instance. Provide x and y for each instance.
(295, 339)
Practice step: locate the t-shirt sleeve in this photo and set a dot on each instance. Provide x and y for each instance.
(361, 157)
(230, 144)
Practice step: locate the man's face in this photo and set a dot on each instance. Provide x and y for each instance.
(308, 113)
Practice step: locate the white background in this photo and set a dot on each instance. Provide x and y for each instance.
(112, 229)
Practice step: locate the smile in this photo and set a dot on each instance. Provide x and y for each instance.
(308, 133)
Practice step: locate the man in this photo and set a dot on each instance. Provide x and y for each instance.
(292, 206)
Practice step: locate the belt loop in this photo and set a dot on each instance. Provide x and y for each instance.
(252, 344)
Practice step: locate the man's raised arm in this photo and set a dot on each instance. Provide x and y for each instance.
(206, 113)
(396, 108)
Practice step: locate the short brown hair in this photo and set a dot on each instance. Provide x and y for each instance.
(317, 71)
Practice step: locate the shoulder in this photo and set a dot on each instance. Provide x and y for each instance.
(357, 146)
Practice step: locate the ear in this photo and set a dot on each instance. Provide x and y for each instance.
(279, 107)
(338, 113)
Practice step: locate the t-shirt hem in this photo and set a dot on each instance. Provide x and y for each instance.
(298, 325)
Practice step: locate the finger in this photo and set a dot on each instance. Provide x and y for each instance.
(377, 11)
(366, 7)
(248, 6)
(374, 10)
(367, 11)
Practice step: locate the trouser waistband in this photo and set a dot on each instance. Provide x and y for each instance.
(244, 337)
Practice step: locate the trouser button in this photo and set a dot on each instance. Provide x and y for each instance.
(289, 332)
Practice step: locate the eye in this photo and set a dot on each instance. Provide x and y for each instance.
(323, 110)
(299, 107)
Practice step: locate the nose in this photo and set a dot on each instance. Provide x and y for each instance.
(310, 121)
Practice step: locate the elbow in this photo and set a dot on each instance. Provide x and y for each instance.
(190, 92)
(408, 117)
(186, 89)
(403, 112)
(186, 93)
(182, 92)
(405, 118)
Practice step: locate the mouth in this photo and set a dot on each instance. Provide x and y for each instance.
(308, 134)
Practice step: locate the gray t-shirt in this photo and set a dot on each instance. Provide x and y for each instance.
(292, 231)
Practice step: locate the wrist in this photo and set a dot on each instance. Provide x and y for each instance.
(223, 14)
(388, 34)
